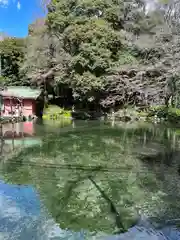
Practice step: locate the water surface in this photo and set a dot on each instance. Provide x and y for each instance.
(90, 179)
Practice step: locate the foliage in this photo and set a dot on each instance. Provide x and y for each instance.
(36, 52)
(142, 114)
(59, 121)
(3, 80)
(12, 54)
(54, 112)
(81, 43)
(105, 53)
(169, 113)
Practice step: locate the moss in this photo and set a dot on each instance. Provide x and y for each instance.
(177, 132)
(142, 114)
(168, 113)
(55, 112)
(62, 122)
(157, 108)
(174, 111)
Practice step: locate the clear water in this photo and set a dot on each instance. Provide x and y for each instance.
(88, 179)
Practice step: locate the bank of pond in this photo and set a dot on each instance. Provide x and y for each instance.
(129, 114)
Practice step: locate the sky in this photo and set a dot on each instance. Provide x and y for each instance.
(22, 215)
(16, 15)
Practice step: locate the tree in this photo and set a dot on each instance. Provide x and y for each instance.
(12, 54)
(39, 56)
(90, 33)
(81, 41)
(106, 53)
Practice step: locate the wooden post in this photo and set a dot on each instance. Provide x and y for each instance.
(12, 121)
(45, 93)
(1, 130)
(0, 65)
(22, 122)
(22, 129)
(21, 102)
(2, 138)
(73, 123)
(113, 117)
(13, 134)
(144, 139)
(11, 106)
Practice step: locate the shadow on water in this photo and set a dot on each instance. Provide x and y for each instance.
(99, 178)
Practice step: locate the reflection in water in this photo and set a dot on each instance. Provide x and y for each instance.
(19, 212)
(97, 180)
(17, 135)
(23, 217)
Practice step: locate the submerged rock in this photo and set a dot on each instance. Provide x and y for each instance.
(140, 232)
(137, 233)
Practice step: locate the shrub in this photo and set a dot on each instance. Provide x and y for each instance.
(171, 114)
(54, 112)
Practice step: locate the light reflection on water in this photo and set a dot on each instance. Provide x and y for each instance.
(22, 216)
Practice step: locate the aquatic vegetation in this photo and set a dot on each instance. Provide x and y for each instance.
(71, 170)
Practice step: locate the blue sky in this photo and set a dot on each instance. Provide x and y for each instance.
(16, 15)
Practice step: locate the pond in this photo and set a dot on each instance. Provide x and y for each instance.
(91, 180)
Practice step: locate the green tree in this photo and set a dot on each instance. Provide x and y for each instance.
(108, 53)
(91, 34)
(81, 41)
(12, 54)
